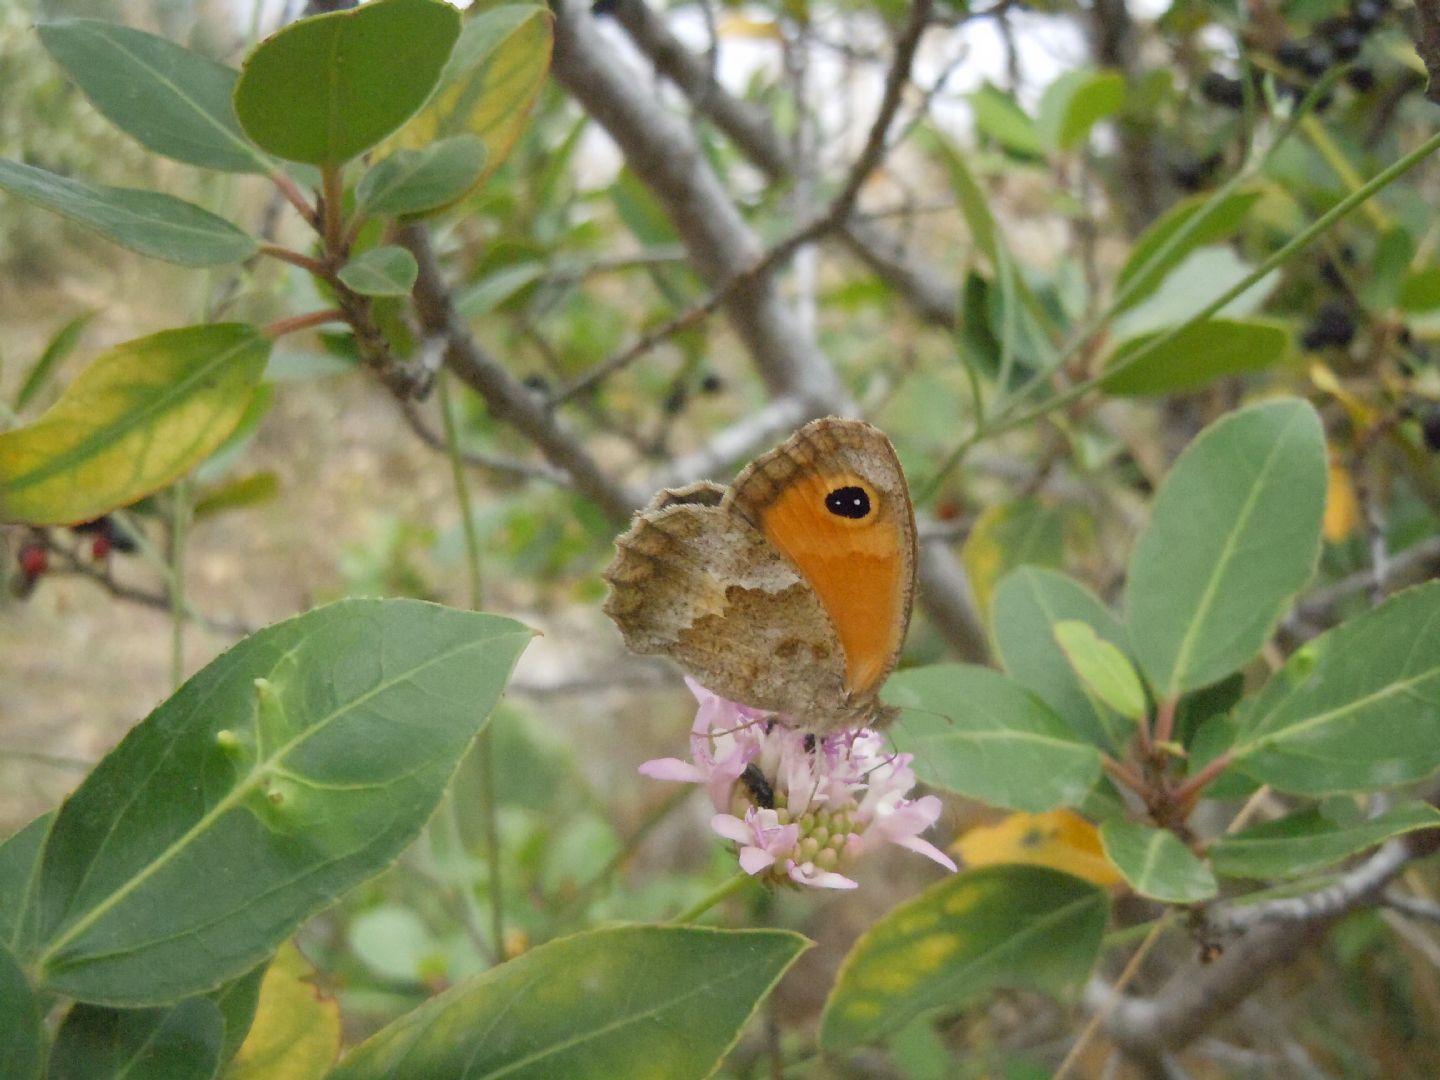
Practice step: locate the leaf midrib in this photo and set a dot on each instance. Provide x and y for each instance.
(249, 150)
(242, 788)
(1221, 565)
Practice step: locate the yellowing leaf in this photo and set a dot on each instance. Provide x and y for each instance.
(138, 417)
(1019, 533)
(296, 1033)
(734, 26)
(1362, 415)
(1059, 839)
(487, 89)
(1342, 506)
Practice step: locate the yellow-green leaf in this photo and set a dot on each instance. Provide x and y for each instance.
(139, 416)
(1103, 668)
(487, 89)
(296, 1032)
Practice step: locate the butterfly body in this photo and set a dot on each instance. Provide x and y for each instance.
(790, 590)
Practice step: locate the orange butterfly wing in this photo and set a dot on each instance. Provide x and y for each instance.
(833, 500)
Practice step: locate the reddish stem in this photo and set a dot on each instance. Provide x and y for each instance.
(295, 197)
(281, 327)
(1125, 774)
(1190, 790)
(295, 258)
(333, 188)
(1165, 719)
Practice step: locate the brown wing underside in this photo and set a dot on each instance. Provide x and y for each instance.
(699, 584)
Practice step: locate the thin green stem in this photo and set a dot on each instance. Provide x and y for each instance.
(722, 892)
(485, 747)
(333, 186)
(179, 534)
(1301, 241)
(462, 493)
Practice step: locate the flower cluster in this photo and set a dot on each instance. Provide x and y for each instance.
(801, 807)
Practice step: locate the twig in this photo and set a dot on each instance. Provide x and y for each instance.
(507, 398)
(1108, 998)
(839, 209)
(510, 467)
(295, 198)
(1418, 906)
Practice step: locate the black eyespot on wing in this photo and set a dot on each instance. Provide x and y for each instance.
(848, 502)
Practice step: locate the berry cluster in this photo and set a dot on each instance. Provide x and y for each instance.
(1337, 40)
(105, 535)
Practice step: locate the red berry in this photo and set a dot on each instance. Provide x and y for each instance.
(100, 547)
(948, 510)
(34, 560)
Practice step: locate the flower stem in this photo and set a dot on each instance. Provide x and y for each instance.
(722, 892)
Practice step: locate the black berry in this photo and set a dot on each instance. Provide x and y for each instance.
(1222, 90)
(1361, 79)
(1291, 53)
(538, 383)
(1430, 429)
(677, 399)
(711, 384)
(1346, 38)
(1332, 325)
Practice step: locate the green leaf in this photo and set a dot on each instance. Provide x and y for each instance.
(173, 1042)
(987, 737)
(139, 416)
(56, 352)
(19, 879)
(237, 1001)
(413, 181)
(1028, 605)
(1102, 667)
(1226, 218)
(326, 89)
(1421, 291)
(1308, 841)
(998, 116)
(1199, 279)
(1025, 532)
(382, 271)
(1355, 709)
(393, 942)
(495, 288)
(290, 769)
(252, 489)
(998, 927)
(171, 100)
(157, 225)
(1156, 864)
(663, 1001)
(22, 1027)
(490, 83)
(974, 203)
(1196, 356)
(1233, 535)
(1075, 102)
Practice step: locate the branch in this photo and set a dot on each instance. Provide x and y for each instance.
(925, 288)
(1275, 932)
(507, 398)
(839, 209)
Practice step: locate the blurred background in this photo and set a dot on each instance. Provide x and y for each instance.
(1069, 128)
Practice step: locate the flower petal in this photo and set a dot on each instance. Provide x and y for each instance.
(819, 879)
(732, 828)
(754, 859)
(669, 768)
(929, 850)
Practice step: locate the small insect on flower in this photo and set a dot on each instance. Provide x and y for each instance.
(800, 808)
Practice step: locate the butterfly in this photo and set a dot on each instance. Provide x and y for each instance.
(790, 590)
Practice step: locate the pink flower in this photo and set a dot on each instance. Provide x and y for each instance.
(799, 807)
